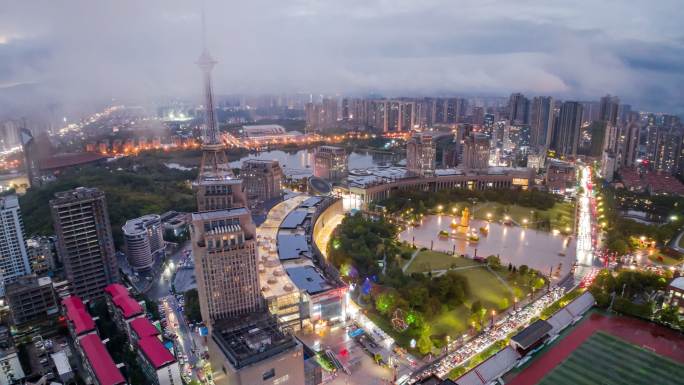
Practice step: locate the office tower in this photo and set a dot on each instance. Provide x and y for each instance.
(567, 131)
(216, 187)
(590, 111)
(608, 109)
(421, 154)
(14, 260)
(478, 116)
(518, 109)
(667, 151)
(476, 151)
(143, 241)
(330, 163)
(541, 121)
(262, 179)
(84, 240)
(224, 246)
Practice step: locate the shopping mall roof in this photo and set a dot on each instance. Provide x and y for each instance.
(155, 352)
(78, 315)
(292, 246)
(104, 367)
(311, 202)
(295, 219)
(309, 279)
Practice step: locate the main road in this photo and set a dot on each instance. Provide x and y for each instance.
(585, 225)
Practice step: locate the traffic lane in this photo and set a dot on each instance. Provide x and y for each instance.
(161, 287)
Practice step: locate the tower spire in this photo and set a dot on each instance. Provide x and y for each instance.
(216, 186)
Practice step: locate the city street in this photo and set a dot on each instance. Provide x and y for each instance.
(161, 284)
(184, 343)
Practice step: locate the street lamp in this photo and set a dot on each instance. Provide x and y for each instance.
(440, 208)
(524, 221)
(489, 216)
(493, 314)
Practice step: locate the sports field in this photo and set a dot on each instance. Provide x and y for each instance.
(607, 360)
(608, 349)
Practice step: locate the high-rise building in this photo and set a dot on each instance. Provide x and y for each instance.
(567, 131)
(541, 121)
(609, 108)
(330, 163)
(478, 116)
(14, 260)
(421, 154)
(518, 109)
(476, 151)
(143, 241)
(262, 179)
(31, 298)
(224, 246)
(629, 144)
(84, 240)
(667, 151)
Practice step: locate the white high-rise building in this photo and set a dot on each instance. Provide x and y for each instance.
(14, 260)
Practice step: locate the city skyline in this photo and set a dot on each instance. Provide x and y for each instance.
(473, 49)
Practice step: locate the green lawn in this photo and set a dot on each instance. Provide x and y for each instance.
(484, 286)
(428, 260)
(607, 360)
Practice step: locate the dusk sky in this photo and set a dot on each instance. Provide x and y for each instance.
(582, 49)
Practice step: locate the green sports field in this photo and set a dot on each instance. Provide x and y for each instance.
(606, 360)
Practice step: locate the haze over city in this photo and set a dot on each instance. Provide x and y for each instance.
(309, 192)
(144, 51)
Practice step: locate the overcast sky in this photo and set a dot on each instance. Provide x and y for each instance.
(581, 49)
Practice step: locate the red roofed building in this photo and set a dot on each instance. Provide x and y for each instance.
(158, 364)
(79, 320)
(99, 363)
(122, 307)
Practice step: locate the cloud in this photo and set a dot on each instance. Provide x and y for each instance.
(82, 50)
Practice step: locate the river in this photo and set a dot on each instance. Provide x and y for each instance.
(299, 163)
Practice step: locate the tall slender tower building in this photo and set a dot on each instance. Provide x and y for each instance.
(567, 132)
(541, 121)
(216, 187)
(14, 260)
(84, 240)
